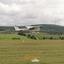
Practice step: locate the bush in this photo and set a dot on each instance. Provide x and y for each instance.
(16, 38)
(62, 38)
(28, 35)
(22, 34)
(44, 38)
(33, 37)
(51, 38)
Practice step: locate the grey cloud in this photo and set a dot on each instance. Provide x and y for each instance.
(8, 1)
(31, 12)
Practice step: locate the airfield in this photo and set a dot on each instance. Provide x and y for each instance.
(23, 51)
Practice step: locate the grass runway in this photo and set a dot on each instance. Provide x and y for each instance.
(22, 52)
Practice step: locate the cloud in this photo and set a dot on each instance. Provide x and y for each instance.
(31, 12)
(9, 8)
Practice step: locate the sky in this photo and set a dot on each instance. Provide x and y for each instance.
(25, 12)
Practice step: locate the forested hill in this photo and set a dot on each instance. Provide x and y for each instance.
(50, 28)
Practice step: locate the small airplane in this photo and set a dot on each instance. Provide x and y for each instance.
(24, 29)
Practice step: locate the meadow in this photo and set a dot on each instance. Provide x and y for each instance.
(23, 51)
(37, 36)
(12, 37)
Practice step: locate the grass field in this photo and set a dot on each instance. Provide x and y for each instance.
(11, 36)
(22, 52)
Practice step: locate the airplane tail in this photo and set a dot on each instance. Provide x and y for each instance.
(16, 28)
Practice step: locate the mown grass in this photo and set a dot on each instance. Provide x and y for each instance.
(21, 52)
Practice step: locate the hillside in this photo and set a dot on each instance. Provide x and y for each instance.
(49, 28)
(7, 29)
(46, 28)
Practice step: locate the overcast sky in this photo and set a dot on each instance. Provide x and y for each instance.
(19, 12)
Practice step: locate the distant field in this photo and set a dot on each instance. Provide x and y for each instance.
(22, 52)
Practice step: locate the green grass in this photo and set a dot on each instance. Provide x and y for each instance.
(21, 52)
(11, 36)
(38, 36)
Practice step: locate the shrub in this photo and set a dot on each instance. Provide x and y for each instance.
(62, 38)
(16, 38)
(33, 37)
(44, 38)
(22, 34)
(28, 35)
(51, 38)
